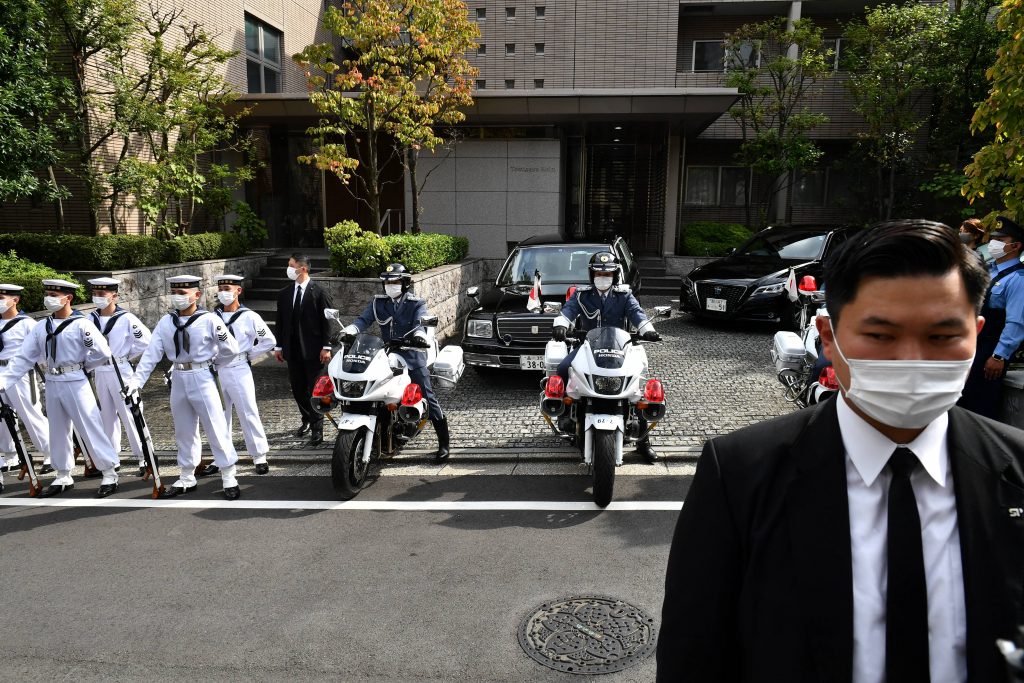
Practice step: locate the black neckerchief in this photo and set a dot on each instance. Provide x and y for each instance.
(51, 334)
(10, 323)
(234, 316)
(118, 312)
(181, 331)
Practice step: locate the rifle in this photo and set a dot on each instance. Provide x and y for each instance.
(89, 470)
(10, 419)
(134, 403)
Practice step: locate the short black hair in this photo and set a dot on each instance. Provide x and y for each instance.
(901, 248)
(301, 259)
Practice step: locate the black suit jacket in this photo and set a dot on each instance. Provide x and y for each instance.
(759, 583)
(314, 331)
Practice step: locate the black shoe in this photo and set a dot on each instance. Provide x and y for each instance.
(646, 451)
(92, 473)
(303, 430)
(175, 491)
(262, 468)
(55, 490)
(1, 487)
(106, 489)
(316, 436)
(208, 470)
(232, 493)
(9, 468)
(143, 470)
(46, 469)
(443, 438)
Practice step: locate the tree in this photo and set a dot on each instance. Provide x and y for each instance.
(998, 168)
(403, 73)
(895, 58)
(775, 68)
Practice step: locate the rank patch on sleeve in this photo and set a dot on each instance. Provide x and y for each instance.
(261, 332)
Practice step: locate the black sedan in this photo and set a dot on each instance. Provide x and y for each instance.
(750, 283)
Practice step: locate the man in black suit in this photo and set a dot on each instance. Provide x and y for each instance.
(875, 537)
(304, 336)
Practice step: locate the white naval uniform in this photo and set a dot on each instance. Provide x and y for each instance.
(20, 396)
(69, 399)
(194, 396)
(127, 338)
(237, 387)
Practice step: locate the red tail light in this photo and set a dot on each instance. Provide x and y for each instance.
(827, 379)
(555, 388)
(654, 392)
(808, 284)
(324, 387)
(412, 395)
(570, 292)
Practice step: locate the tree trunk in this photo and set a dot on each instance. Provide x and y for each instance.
(85, 141)
(58, 203)
(373, 177)
(414, 184)
(892, 192)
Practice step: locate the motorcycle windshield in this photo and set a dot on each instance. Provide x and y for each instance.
(608, 345)
(358, 356)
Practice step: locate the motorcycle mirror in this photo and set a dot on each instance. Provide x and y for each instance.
(473, 292)
(552, 307)
(332, 314)
(663, 311)
(429, 321)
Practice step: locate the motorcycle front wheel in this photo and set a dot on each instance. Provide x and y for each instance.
(604, 466)
(348, 471)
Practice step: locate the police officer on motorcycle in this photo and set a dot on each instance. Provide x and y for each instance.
(398, 313)
(605, 304)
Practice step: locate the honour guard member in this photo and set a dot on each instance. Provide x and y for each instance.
(605, 304)
(24, 396)
(127, 338)
(70, 345)
(398, 313)
(193, 338)
(237, 387)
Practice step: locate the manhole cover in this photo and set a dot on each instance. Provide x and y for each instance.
(588, 635)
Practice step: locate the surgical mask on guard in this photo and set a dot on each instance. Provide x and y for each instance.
(906, 394)
(292, 273)
(181, 301)
(603, 283)
(394, 291)
(226, 298)
(5, 304)
(997, 249)
(101, 301)
(53, 303)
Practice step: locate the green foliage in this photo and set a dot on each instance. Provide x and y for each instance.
(713, 239)
(357, 253)
(119, 252)
(249, 225)
(29, 274)
(206, 245)
(425, 250)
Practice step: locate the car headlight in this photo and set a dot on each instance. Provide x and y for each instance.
(689, 286)
(480, 328)
(777, 288)
(608, 385)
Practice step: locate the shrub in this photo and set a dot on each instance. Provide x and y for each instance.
(116, 252)
(354, 252)
(206, 245)
(713, 239)
(249, 225)
(29, 274)
(426, 250)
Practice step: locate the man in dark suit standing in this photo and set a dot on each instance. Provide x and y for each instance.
(304, 336)
(877, 537)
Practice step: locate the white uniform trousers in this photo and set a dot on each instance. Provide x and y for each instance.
(29, 414)
(194, 401)
(239, 393)
(70, 404)
(114, 411)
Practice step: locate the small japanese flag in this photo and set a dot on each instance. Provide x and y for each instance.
(533, 303)
(791, 288)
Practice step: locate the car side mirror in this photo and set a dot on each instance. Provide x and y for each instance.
(429, 321)
(332, 314)
(663, 311)
(473, 292)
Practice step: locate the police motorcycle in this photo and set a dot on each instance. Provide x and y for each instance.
(381, 408)
(796, 355)
(607, 394)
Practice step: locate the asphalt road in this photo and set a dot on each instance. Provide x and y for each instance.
(299, 592)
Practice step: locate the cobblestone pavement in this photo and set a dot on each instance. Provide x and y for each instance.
(717, 378)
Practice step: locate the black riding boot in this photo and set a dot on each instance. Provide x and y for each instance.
(643, 447)
(441, 427)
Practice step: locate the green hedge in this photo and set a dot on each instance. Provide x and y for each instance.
(28, 274)
(357, 253)
(712, 239)
(118, 252)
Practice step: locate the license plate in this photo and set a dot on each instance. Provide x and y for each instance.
(531, 362)
(715, 305)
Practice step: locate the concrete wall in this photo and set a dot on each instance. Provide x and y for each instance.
(444, 288)
(492, 192)
(681, 265)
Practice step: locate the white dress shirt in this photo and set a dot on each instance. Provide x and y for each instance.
(867, 484)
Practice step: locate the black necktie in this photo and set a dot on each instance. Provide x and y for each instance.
(906, 603)
(295, 306)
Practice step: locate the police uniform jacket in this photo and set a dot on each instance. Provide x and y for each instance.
(1007, 297)
(589, 309)
(397, 318)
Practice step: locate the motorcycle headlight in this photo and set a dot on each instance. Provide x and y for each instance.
(777, 288)
(353, 389)
(608, 385)
(480, 328)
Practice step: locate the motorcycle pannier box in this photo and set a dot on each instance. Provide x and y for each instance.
(449, 366)
(554, 352)
(787, 351)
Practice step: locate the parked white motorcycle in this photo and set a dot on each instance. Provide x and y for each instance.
(381, 407)
(796, 355)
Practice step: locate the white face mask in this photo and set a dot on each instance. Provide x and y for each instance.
(394, 291)
(906, 394)
(5, 304)
(603, 283)
(292, 273)
(101, 301)
(997, 249)
(181, 301)
(53, 303)
(226, 298)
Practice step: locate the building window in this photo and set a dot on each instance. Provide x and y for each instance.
(717, 185)
(734, 186)
(481, 49)
(481, 13)
(538, 49)
(481, 84)
(510, 49)
(510, 12)
(538, 83)
(539, 11)
(263, 56)
(708, 55)
(835, 46)
(746, 56)
(809, 187)
(510, 83)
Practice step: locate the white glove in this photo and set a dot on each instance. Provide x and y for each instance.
(131, 386)
(350, 330)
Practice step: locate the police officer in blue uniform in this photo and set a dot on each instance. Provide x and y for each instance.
(605, 304)
(1003, 331)
(398, 313)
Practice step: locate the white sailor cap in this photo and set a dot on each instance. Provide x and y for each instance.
(225, 279)
(61, 286)
(10, 289)
(104, 283)
(185, 281)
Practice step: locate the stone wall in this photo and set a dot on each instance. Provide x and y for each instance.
(682, 265)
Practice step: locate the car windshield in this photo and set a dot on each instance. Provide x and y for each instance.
(608, 346)
(788, 246)
(561, 264)
(358, 356)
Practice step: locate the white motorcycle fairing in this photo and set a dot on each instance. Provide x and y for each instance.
(351, 422)
(604, 423)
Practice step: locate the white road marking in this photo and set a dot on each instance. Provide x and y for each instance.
(361, 505)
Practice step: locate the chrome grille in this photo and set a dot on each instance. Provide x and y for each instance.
(731, 293)
(520, 328)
